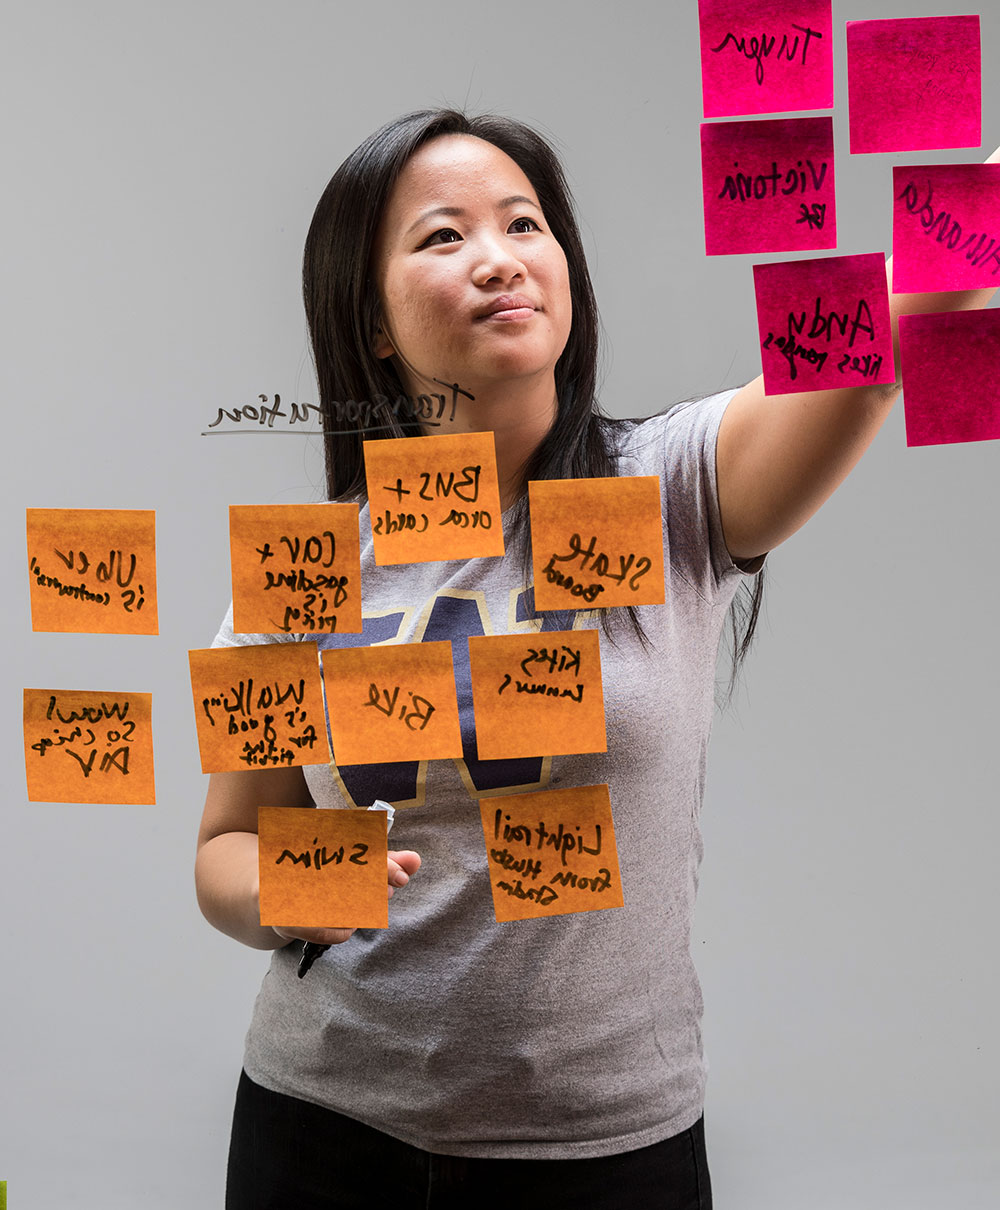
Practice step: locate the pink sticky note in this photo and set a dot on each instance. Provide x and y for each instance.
(945, 227)
(824, 323)
(951, 387)
(768, 185)
(765, 56)
(913, 84)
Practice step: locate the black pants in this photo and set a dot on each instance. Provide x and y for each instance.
(288, 1154)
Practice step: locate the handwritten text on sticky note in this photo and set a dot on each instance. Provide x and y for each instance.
(765, 56)
(951, 390)
(322, 869)
(945, 227)
(824, 323)
(551, 853)
(83, 746)
(434, 498)
(392, 703)
(913, 83)
(258, 707)
(92, 570)
(296, 568)
(537, 694)
(768, 185)
(596, 542)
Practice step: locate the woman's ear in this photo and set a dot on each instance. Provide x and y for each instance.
(383, 346)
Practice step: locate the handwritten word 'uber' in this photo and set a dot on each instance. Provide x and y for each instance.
(80, 563)
(360, 414)
(744, 187)
(761, 49)
(827, 325)
(319, 857)
(416, 716)
(949, 231)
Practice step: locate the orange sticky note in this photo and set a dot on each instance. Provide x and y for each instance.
(537, 694)
(392, 703)
(552, 852)
(93, 570)
(322, 869)
(88, 746)
(596, 542)
(259, 707)
(296, 568)
(434, 498)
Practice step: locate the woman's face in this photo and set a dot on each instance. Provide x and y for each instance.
(473, 285)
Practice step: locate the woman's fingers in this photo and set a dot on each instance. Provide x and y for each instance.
(319, 936)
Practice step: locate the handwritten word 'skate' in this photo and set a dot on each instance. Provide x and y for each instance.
(744, 187)
(319, 857)
(597, 563)
(761, 48)
(949, 231)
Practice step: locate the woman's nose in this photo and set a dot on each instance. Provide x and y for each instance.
(497, 260)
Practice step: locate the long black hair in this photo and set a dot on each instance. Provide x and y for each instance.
(359, 391)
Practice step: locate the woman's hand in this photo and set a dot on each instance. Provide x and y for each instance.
(401, 867)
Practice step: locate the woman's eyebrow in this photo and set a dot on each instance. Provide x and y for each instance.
(516, 199)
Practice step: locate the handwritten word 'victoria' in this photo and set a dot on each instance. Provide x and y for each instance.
(761, 48)
(744, 187)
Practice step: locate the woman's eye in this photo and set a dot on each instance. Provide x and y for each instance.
(446, 235)
(532, 225)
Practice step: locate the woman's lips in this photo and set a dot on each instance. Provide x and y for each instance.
(512, 313)
(507, 307)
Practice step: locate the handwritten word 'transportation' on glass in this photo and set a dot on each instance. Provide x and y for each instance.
(430, 410)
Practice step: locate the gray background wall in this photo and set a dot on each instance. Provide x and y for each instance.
(161, 166)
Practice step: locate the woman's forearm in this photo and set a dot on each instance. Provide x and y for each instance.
(228, 886)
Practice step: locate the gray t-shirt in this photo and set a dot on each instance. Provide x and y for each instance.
(569, 1036)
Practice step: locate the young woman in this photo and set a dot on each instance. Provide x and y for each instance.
(450, 1059)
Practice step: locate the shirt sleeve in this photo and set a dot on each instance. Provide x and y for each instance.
(679, 445)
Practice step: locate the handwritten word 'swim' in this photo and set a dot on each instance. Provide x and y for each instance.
(949, 231)
(84, 733)
(110, 572)
(317, 550)
(241, 707)
(318, 857)
(761, 48)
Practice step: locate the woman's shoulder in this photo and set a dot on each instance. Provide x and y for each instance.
(681, 430)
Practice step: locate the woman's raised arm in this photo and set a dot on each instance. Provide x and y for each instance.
(779, 457)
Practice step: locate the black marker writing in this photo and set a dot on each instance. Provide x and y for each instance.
(761, 48)
(744, 187)
(978, 249)
(416, 716)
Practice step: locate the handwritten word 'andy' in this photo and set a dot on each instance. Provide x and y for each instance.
(761, 48)
(949, 231)
(827, 325)
(744, 187)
